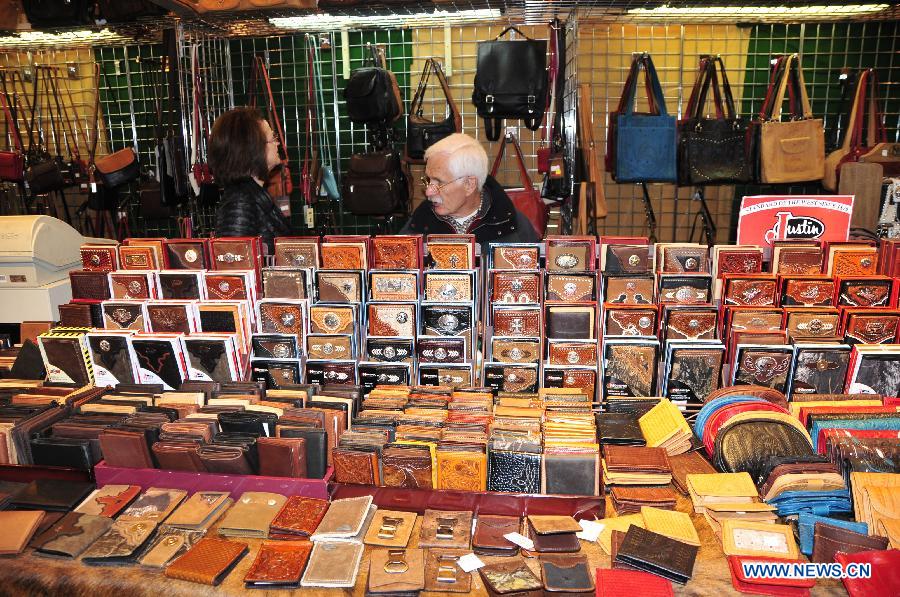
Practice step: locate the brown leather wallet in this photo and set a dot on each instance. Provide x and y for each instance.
(278, 565)
(99, 258)
(89, 285)
(129, 286)
(828, 540)
(572, 353)
(390, 529)
(511, 578)
(138, 258)
(570, 288)
(343, 256)
(567, 574)
(208, 561)
(622, 321)
(284, 283)
(451, 529)
(632, 458)
(298, 518)
(282, 456)
(517, 322)
(296, 253)
(516, 257)
(516, 287)
(393, 571)
(489, 534)
(400, 252)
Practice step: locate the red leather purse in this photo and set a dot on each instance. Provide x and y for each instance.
(528, 198)
(12, 162)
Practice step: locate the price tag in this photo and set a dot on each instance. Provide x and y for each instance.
(93, 187)
(591, 529)
(469, 562)
(520, 540)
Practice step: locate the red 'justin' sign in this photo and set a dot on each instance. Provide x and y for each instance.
(767, 218)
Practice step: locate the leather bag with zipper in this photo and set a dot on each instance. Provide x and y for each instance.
(422, 133)
(375, 185)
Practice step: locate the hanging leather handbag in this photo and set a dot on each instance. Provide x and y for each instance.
(527, 199)
(375, 185)
(713, 150)
(791, 151)
(58, 13)
(372, 93)
(12, 162)
(511, 81)
(845, 153)
(644, 142)
(124, 11)
(118, 168)
(44, 173)
(422, 133)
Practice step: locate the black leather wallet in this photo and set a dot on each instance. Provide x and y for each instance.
(651, 552)
(316, 448)
(80, 454)
(518, 472)
(620, 429)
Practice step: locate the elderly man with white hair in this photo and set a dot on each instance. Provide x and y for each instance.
(464, 199)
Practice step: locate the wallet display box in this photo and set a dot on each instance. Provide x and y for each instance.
(570, 253)
(297, 251)
(514, 256)
(819, 368)
(874, 369)
(867, 291)
(693, 370)
(161, 359)
(112, 358)
(870, 326)
(762, 365)
(212, 357)
(394, 285)
(630, 367)
(288, 282)
(66, 356)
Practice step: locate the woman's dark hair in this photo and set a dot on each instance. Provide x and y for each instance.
(237, 146)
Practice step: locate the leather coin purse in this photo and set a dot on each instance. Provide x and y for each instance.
(281, 318)
(452, 287)
(570, 288)
(392, 319)
(396, 252)
(285, 283)
(296, 253)
(434, 349)
(340, 286)
(515, 287)
(515, 350)
(629, 290)
(515, 257)
(329, 346)
(328, 319)
(393, 286)
(516, 322)
(630, 322)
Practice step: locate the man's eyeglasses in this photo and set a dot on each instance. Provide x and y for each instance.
(435, 187)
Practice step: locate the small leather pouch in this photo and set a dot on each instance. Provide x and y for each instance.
(446, 529)
(390, 529)
(120, 544)
(442, 573)
(298, 518)
(567, 574)
(71, 535)
(208, 562)
(393, 571)
(252, 514)
(570, 288)
(829, 540)
(513, 577)
(489, 534)
(278, 565)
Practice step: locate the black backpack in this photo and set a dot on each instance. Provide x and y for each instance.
(375, 184)
(511, 81)
(372, 93)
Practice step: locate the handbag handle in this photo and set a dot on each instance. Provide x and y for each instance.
(95, 123)
(11, 123)
(775, 75)
(433, 66)
(324, 145)
(854, 123)
(730, 108)
(793, 74)
(553, 72)
(658, 104)
(632, 75)
(512, 28)
(510, 138)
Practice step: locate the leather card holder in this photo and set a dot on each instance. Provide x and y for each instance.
(339, 286)
(513, 577)
(395, 252)
(90, 285)
(630, 322)
(629, 290)
(515, 287)
(393, 286)
(99, 258)
(627, 259)
(567, 574)
(390, 350)
(441, 350)
(392, 319)
(515, 257)
(335, 319)
(571, 288)
(514, 350)
(286, 283)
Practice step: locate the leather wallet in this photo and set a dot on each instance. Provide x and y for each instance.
(570, 255)
(333, 564)
(125, 448)
(225, 287)
(65, 359)
(754, 292)
(448, 287)
(407, 466)
(447, 320)
(763, 367)
(18, 529)
(515, 287)
(515, 257)
(627, 259)
(281, 318)
(180, 285)
(329, 346)
(766, 586)
(619, 429)
(512, 471)
(684, 289)
(441, 350)
(339, 286)
(453, 255)
(187, 254)
(630, 369)
(130, 286)
(829, 540)
(53, 495)
(298, 518)
(679, 259)
(99, 258)
(124, 316)
(178, 456)
(797, 260)
(329, 319)
(865, 292)
(552, 542)
(169, 318)
(316, 448)
(515, 350)
(90, 285)
(208, 562)
(813, 292)
(80, 315)
(489, 539)
(629, 290)
(357, 467)
(516, 322)
(396, 252)
(390, 529)
(658, 554)
(343, 255)
(870, 329)
(630, 322)
(513, 577)
(392, 319)
(155, 504)
(120, 544)
(570, 322)
(552, 524)
(71, 535)
(138, 258)
(567, 574)
(282, 456)
(393, 286)
(396, 571)
(449, 529)
(235, 253)
(570, 288)
(690, 324)
(200, 511)
(252, 514)
(109, 500)
(295, 253)
(442, 574)
(278, 565)
(806, 524)
(885, 579)
(285, 283)
(345, 519)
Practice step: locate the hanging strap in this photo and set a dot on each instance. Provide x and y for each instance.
(261, 76)
(793, 74)
(730, 106)
(67, 131)
(654, 90)
(72, 110)
(775, 75)
(520, 160)
(324, 147)
(693, 110)
(512, 28)
(433, 66)
(10, 118)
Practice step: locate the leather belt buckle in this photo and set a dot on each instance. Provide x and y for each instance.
(446, 572)
(445, 528)
(389, 526)
(396, 563)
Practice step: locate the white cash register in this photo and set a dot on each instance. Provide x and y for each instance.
(36, 255)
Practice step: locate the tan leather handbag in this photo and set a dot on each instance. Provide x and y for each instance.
(791, 151)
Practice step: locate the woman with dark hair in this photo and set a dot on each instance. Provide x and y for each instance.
(242, 151)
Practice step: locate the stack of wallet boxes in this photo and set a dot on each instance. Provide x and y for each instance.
(542, 327)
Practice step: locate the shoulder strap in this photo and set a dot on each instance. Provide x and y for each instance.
(512, 28)
(523, 171)
(730, 108)
(854, 122)
(272, 109)
(415, 106)
(95, 119)
(11, 123)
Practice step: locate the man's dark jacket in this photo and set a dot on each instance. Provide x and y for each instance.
(499, 221)
(246, 209)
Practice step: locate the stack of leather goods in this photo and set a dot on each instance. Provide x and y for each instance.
(874, 499)
(619, 429)
(20, 526)
(571, 462)
(719, 488)
(809, 484)
(337, 544)
(629, 499)
(631, 465)
(664, 426)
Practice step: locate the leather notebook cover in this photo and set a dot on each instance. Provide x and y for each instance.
(278, 565)
(207, 562)
(70, 536)
(299, 516)
(650, 551)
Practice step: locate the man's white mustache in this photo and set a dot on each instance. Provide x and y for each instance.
(436, 201)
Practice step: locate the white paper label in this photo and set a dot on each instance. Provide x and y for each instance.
(520, 540)
(591, 529)
(469, 562)
(150, 377)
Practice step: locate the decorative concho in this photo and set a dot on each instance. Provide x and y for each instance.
(135, 287)
(230, 258)
(516, 353)
(517, 325)
(328, 348)
(516, 284)
(569, 288)
(634, 260)
(105, 345)
(693, 324)
(446, 378)
(448, 291)
(121, 315)
(389, 352)
(572, 357)
(645, 322)
(448, 322)
(347, 287)
(691, 263)
(512, 378)
(281, 351)
(402, 317)
(225, 287)
(566, 260)
(865, 262)
(331, 321)
(95, 259)
(288, 319)
(684, 293)
(191, 255)
(299, 259)
(525, 260)
(440, 354)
